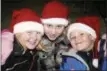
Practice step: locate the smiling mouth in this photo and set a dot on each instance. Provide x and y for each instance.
(78, 43)
(32, 43)
(52, 36)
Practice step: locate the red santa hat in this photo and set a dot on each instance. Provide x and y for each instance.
(55, 13)
(25, 20)
(91, 25)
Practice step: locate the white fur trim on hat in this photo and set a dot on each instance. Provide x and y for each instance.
(95, 63)
(55, 21)
(28, 26)
(82, 27)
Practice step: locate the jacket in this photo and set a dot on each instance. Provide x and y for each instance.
(77, 60)
(20, 60)
(50, 57)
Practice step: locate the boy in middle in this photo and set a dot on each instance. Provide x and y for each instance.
(55, 19)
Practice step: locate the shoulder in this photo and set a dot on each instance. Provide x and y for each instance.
(72, 57)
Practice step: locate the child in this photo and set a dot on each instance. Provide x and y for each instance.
(27, 30)
(83, 36)
(55, 20)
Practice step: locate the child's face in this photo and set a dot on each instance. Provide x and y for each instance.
(53, 31)
(29, 39)
(81, 41)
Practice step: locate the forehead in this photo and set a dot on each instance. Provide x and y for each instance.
(78, 32)
(54, 25)
(27, 32)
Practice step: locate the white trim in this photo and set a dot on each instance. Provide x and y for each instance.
(28, 25)
(81, 26)
(55, 21)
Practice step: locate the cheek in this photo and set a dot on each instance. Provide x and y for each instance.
(39, 37)
(59, 31)
(73, 44)
(47, 30)
(87, 43)
(24, 38)
(87, 40)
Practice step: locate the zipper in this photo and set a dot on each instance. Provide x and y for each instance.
(8, 69)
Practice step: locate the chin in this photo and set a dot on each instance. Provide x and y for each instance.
(52, 39)
(31, 47)
(82, 49)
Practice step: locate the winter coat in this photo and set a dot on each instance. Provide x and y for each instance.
(20, 60)
(50, 59)
(73, 60)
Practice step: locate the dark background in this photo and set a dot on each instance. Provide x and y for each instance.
(78, 8)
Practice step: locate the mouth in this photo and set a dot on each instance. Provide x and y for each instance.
(52, 36)
(32, 42)
(78, 43)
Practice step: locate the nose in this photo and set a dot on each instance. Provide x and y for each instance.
(77, 38)
(34, 36)
(53, 30)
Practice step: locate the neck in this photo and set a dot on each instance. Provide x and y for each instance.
(89, 48)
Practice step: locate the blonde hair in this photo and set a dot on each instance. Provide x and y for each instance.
(17, 35)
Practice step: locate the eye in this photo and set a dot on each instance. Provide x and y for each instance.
(29, 32)
(59, 26)
(72, 37)
(49, 25)
(82, 34)
(38, 32)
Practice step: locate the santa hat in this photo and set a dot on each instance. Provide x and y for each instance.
(55, 13)
(91, 25)
(25, 20)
